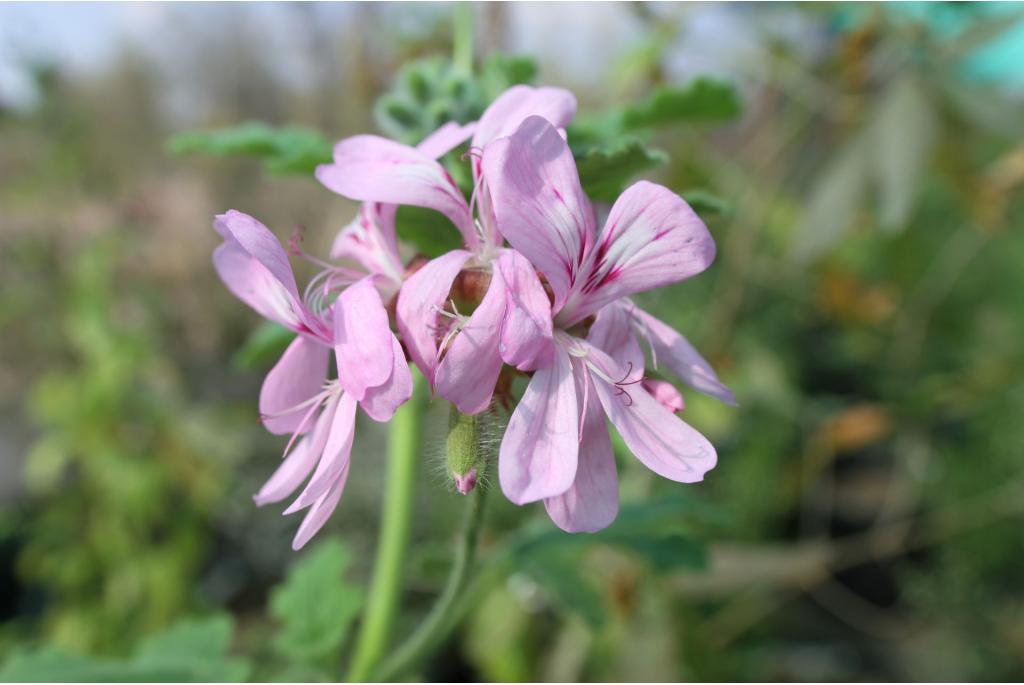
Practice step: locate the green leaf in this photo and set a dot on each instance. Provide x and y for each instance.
(501, 72)
(285, 150)
(430, 232)
(704, 99)
(559, 576)
(199, 646)
(263, 346)
(655, 529)
(605, 171)
(315, 606)
(426, 94)
(193, 650)
(663, 552)
(706, 203)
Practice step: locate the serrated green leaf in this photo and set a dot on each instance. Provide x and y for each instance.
(605, 171)
(704, 99)
(426, 94)
(264, 346)
(285, 150)
(430, 232)
(315, 606)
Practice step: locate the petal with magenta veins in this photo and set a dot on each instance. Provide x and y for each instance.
(651, 238)
(538, 203)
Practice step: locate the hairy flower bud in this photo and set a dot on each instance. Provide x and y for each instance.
(466, 459)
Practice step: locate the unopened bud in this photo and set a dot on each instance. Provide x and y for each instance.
(465, 456)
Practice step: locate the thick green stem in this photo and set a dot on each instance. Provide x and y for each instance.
(462, 39)
(386, 586)
(435, 628)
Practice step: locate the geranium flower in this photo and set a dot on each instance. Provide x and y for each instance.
(556, 447)
(460, 355)
(297, 397)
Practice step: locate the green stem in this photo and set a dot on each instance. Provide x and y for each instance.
(386, 586)
(444, 615)
(462, 40)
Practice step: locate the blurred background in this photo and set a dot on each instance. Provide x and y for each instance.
(866, 306)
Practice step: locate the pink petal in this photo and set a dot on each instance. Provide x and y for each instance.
(612, 332)
(592, 502)
(651, 238)
(374, 169)
(362, 339)
(504, 115)
(671, 350)
(335, 455)
(289, 475)
(419, 300)
(255, 268)
(298, 376)
(661, 440)
(665, 393)
(381, 403)
(370, 240)
(538, 202)
(538, 453)
(467, 373)
(526, 335)
(321, 510)
(445, 139)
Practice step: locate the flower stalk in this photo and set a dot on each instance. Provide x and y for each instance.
(386, 585)
(435, 628)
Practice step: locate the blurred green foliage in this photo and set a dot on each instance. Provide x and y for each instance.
(863, 522)
(117, 469)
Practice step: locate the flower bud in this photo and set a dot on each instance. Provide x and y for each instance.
(466, 460)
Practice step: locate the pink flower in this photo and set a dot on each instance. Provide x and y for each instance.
(460, 355)
(297, 396)
(370, 239)
(556, 447)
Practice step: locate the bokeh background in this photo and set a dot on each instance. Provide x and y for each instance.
(866, 306)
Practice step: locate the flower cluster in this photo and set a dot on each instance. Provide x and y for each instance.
(544, 292)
